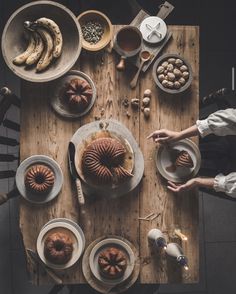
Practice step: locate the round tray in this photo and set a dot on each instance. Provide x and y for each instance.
(153, 21)
(57, 102)
(99, 247)
(163, 158)
(119, 129)
(30, 196)
(100, 286)
(161, 59)
(61, 226)
(13, 42)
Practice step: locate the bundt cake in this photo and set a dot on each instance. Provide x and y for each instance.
(39, 178)
(78, 93)
(103, 159)
(112, 263)
(58, 248)
(184, 160)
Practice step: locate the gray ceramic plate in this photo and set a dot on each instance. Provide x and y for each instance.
(164, 161)
(35, 197)
(57, 102)
(98, 248)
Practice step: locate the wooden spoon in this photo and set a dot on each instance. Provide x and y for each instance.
(145, 56)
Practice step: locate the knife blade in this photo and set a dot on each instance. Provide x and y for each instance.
(73, 172)
(38, 261)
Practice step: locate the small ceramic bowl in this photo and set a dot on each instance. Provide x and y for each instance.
(164, 58)
(94, 15)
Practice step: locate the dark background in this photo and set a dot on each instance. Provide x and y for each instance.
(217, 21)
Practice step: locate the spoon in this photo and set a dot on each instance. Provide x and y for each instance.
(145, 56)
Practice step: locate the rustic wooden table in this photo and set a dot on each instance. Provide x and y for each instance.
(43, 132)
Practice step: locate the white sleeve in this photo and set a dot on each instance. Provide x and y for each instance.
(220, 123)
(226, 184)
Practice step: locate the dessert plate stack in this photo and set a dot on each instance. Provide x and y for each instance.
(68, 227)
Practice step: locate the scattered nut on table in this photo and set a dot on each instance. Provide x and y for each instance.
(135, 103)
(146, 101)
(147, 93)
(146, 112)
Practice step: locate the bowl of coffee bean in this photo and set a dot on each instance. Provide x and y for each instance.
(96, 30)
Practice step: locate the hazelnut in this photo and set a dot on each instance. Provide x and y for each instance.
(170, 67)
(135, 103)
(170, 85)
(185, 75)
(179, 62)
(177, 73)
(171, 60)
(147, 93)
(146, 112)
(161, 77)
(182, 81)
(165, 64)
(177, 85)
(146, 101)
(160, 69)
(171, 76)
(183, 68)
(165, 83)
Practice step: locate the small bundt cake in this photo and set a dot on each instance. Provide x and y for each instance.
(78, 93)
(58, 248)
(184, 160)
(39, 178)
(112, 263)
(103, 160)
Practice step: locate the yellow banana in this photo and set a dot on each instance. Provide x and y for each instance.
(20, 59)
(56, 34)
(38, 50)
(47, 55)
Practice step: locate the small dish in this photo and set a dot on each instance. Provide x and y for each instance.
(35, 197)
(76, 235)
(57, 102)
(98, 248)
(164, 161)
(94, 15)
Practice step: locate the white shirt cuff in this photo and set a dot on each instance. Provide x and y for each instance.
(219, 183)
(203, 127)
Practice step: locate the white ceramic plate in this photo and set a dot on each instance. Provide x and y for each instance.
(30, 196)
(98, 248)
(181, 174)
(57, 102)
(76, 236)
(152, 22)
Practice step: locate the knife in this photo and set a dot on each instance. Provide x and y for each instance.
(73, 172)
(38, 261)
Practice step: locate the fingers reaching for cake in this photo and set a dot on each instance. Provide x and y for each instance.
(164, 136)
(189, 185)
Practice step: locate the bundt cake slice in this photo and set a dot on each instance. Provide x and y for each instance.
(78, 93)
(112, 263)
(184, 160)
(39, 178)
(58, 248)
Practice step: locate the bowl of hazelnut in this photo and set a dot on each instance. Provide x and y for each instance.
(172, 73)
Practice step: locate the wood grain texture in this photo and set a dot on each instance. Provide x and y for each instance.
(43, 132)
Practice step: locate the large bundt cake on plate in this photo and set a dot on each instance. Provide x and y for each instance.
(112, 262)
(58, 248)
(103, 160)
(39, 178)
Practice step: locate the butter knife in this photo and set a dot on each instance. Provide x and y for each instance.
(38, 261)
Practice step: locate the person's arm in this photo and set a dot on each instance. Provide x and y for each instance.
(220, 123)
(226, 184)
(167, 136)
(193, 183)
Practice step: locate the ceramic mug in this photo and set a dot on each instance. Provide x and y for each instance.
(128, 42)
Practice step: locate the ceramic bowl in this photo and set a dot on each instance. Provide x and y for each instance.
(13, 40)
(159, 61)
(93, 15)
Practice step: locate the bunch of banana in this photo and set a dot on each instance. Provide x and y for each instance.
(45, 44)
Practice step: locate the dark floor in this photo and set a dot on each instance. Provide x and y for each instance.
(217, 22)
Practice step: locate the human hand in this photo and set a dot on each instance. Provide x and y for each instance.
(189, 185)
(164, 136)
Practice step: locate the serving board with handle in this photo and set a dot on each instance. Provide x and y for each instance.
(165, 10)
